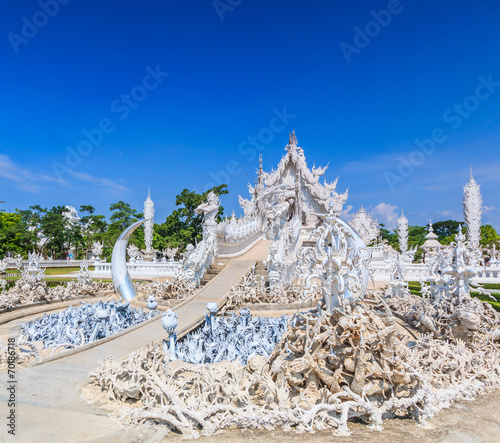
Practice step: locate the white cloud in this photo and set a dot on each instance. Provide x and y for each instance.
(386, 214)
(107, 184)
(21, 177)
(346, 213)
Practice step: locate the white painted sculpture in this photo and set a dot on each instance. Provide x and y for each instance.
(473, 209)
(397, 287)
(493, 256)
(97, 250)
(149, 213)
(171, 253)
(407, 255)
(133, 252)
(83, 277)
(198, 260)
(365, 226)
(339, 261)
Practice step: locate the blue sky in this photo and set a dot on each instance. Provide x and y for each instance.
(169, 92)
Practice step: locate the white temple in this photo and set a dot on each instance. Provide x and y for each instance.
(365, 226)
(71, 214)
(292, 191)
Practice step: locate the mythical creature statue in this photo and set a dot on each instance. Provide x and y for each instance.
(209, 209)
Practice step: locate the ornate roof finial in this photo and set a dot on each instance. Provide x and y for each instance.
(292, 140)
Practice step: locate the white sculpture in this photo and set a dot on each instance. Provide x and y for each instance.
(97, 250)
(397, 287)
(149, 212)
(83, 277)
(133, 252)
(209, 210)
(493, 255)
(461, 269)
(472, 204)
(343, 261)
(406, 254)
(365, 226)
(171, 253)
(198, 260)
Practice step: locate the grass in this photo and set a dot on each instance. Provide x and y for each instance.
(490, 285)
(63, 271)
(415, 288)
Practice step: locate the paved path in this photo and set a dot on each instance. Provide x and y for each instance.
(49, 407)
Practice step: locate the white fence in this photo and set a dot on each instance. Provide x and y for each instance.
(12, 264)
(163, 269)
(420, 271)
(227, 249)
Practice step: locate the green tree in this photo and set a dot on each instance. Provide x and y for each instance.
(416, 237)
(489, 236)
(183, 226)
(391, 237)
(31, 219)
(447, 228)
(59, 232)
(13, 238)
(93, 226)
(123, 215)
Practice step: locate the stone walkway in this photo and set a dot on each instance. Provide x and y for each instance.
(49, 407)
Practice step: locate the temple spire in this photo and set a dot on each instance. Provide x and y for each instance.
(292, 140)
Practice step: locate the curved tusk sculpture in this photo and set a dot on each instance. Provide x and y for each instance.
(121, 279)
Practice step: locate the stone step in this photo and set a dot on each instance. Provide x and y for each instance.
(212, 271)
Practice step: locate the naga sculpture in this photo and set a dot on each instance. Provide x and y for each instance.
(198, 260)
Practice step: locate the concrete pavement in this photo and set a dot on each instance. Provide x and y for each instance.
(49, 405)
